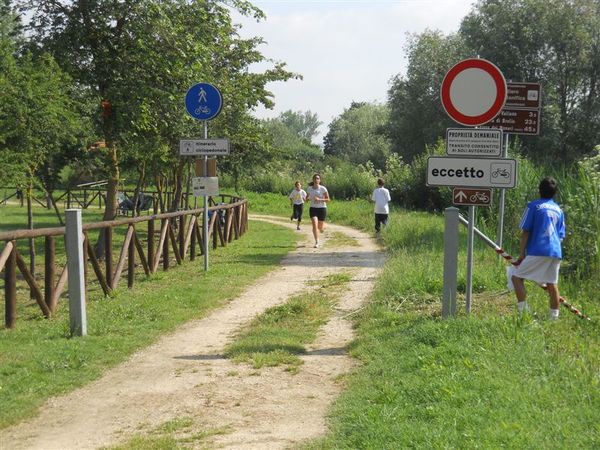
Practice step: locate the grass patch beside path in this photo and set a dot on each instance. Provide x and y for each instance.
(38, 360)
(488, 381)
(278, 335)
(179, 433)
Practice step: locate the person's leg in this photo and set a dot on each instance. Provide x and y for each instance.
(299, 215)
(520, 292)
(377, 224)
(554, 300)
(321, 225)
(315, 229)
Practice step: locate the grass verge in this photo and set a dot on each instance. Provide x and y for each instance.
(178, 433)
(489, 380)
(38, 360)
(278, 335)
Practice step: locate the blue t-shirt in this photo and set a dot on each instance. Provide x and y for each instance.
(545, 222)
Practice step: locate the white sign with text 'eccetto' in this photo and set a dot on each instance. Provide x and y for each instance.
(471, 172)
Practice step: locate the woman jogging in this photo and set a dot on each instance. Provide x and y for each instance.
(318, 196)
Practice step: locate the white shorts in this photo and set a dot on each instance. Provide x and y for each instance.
(541, 269)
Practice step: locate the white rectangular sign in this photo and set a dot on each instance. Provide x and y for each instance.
(471, 172)
(473, 142)
(208, 147)
(208, 186)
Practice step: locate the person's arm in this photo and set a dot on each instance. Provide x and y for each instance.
(325, 197)
(522, 246)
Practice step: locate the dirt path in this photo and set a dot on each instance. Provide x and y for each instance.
(184, 376)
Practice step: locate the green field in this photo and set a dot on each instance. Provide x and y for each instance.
(38, 360)
(488, 380)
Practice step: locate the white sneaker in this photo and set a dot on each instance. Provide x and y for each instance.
(317, 244)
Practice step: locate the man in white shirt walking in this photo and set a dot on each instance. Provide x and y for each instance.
(381, 197)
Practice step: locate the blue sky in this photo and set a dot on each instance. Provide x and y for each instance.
(345, 50)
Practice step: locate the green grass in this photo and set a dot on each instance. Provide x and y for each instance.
(38, 360)
(178, 433)
(490, 380)
(278, 335)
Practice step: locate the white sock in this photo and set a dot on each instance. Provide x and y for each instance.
(554, 313)
(522, 306)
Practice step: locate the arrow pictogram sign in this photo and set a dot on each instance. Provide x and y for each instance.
(471, 197)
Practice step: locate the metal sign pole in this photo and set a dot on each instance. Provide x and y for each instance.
(470, 239)
(500, 232)
(205, 213)
(450, 262)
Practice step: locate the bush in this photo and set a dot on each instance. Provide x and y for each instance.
(348, 181)
(408, 182)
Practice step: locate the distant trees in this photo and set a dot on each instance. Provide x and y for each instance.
(134, 60)
(417, 118)
(304, 124)
(555, 43)
(357, 135)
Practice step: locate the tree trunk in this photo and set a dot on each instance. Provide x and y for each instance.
(138, 188)
(178, 181)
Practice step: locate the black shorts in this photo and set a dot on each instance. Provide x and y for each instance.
(297, 215)
(319, 213)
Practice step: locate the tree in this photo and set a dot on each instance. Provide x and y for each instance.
(358, 135)
(304, 124)
(417, 118)
(139, 57)
(555, 43)
(11, 28)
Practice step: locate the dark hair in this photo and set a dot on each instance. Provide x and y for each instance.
(548, 187)
(380, 182)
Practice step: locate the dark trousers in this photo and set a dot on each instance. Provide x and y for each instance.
(297, 214)
(380, 219)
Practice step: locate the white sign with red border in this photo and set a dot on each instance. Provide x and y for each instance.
(473, 92)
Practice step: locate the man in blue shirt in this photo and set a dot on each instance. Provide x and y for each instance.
(543, 229)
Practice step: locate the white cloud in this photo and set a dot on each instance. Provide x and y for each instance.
(345, 50)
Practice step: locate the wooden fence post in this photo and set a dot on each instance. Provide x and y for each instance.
(50, 257)
(76, 283)
(10, 287)
(108, 255)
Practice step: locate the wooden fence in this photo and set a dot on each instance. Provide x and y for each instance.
(86, 196)
(180, 232)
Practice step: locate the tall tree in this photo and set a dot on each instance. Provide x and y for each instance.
(555, 43)
(304, 124)
(417, 118)
(140, 57)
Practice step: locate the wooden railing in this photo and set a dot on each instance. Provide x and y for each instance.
(180, 232)
(86, 196)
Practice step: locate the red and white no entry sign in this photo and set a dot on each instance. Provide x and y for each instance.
(473, 92)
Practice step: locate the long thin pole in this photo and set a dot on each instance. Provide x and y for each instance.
(500, 232)
(470, 240)
(205, 213)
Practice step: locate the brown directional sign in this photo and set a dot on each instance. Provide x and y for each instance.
(517, 121)
(523, 95)
(471, 197)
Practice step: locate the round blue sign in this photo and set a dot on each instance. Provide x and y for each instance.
(203, 101)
